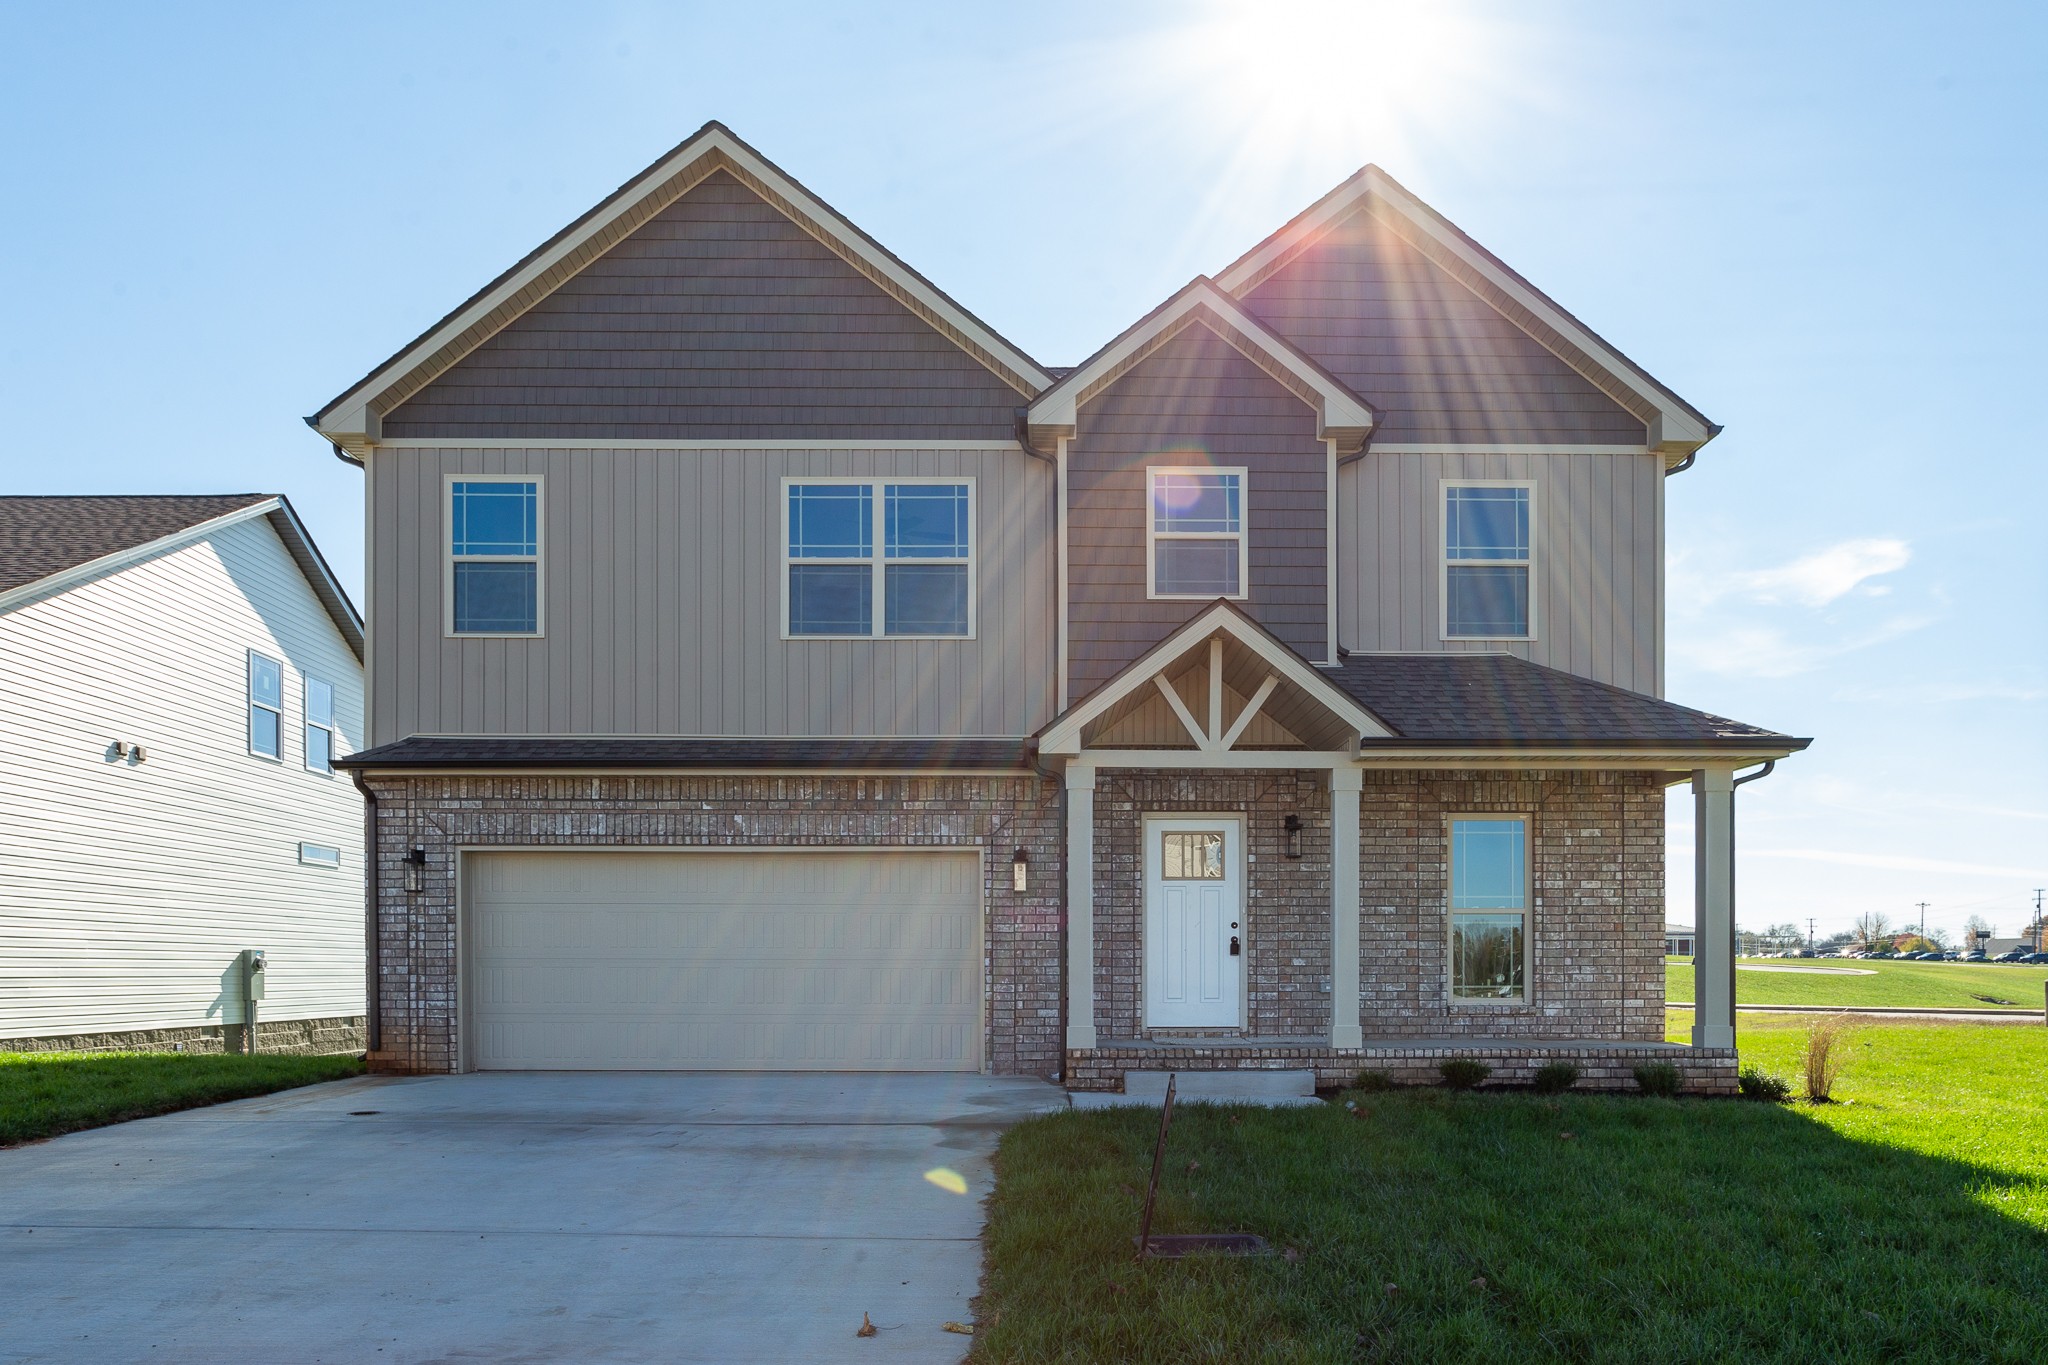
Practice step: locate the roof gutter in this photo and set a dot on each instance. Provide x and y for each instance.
(1678, 468)
(339, 452)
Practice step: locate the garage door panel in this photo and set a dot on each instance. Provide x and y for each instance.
(842, 960)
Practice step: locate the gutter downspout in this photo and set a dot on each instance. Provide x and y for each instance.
(1764, 771)
(373, 1017)
(1678, 468)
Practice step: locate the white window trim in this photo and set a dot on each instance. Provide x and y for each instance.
(306, 681)
(251, 705)
(1528, 911)
(1242, 535)
(878, 561)
(1443, 555)
(312, 855)
(538, 558)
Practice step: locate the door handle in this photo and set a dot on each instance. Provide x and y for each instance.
(1236, 948)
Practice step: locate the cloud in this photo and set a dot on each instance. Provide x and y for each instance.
(1819, 578)
(1761, 651)
(1894, 863)
(1941, 693)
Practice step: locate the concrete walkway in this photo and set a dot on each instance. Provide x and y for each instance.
(536, 1217)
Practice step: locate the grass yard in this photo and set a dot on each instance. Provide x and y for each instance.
(1923, 985)
(1909, 1222)
(43, 1094)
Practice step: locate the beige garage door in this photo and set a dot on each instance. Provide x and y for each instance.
(861, 961)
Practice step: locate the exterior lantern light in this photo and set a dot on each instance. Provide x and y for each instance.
(1293, 827)
(1020, 872)
(415, 869)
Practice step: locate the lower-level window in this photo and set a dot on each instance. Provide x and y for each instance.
(1489, 907)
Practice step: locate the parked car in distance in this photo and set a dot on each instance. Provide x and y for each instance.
(1974, 955)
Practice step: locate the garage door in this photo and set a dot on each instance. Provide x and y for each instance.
(844, 961)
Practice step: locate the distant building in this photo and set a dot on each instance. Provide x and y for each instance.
(1678, 940)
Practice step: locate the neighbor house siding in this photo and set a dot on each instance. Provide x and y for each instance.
(1194, 401)
(127, 890)
(1598, 584)
(717, 319)
(1437, 361)
(662, 578)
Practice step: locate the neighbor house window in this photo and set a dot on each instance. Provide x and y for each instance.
(1489, 907)
(876, 558)
(319, 855)
(1487, 558)
(319, 726)
(494, 557)
(1194, 529)
(266, 707)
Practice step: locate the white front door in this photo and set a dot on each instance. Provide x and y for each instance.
(1194, 922)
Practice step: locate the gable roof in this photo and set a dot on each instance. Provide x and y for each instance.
(49, 544)
(1341, 415)
(1676, 427)
(351, 421)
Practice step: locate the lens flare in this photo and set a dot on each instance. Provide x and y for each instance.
(951, 1181)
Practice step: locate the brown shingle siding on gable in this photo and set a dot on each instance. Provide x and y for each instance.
(1194, 401)
(719, 319)
(1437, 361)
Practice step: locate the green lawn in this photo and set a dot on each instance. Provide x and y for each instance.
(1926, 985)
(1908, 1223)
(43, 1094)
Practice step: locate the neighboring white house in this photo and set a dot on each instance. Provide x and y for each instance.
(176, 674)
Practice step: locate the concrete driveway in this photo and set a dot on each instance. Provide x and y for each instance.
(544, 1216)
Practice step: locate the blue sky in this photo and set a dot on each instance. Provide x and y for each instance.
(1821, 223)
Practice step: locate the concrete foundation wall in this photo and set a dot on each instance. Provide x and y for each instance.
(305, 1036)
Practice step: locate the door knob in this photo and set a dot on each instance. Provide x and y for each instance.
(1236, 948)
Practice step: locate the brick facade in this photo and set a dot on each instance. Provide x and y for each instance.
(1602, 1066)
(416, 930)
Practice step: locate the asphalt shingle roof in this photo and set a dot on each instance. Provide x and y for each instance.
(1501, 699)
(513, 751)
(44, 536)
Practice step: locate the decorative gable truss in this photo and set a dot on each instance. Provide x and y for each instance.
(1219, 692)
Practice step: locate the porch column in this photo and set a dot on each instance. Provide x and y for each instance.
(1345, 785)
(1080, 906)
(1713, 987)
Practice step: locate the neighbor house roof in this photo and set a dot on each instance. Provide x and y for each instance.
(352, 420)
(458, 751)
(47, 544)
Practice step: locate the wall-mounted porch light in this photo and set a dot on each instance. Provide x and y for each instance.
(1020, 872)
(415, 869)
(1293, 827)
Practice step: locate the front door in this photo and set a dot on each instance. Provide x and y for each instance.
(1194, 922)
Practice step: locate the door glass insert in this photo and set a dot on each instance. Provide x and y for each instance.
(1191, 857)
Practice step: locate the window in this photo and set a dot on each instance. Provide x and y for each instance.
(921, 582)
(1194, 530)
(319, 855)
(319, 726)
(494, 557)
(1487, 556)
(1489, 906)
(266, 707)
(1191, 857)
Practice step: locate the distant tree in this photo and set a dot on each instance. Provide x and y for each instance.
(1784, 936)
(1841, 938)
(1942, 939)
(1872, 926)
(1976, 927)
(1912, 943)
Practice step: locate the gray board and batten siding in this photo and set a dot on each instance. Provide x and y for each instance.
(1438, 362)
(1194, 401)
(717, 319)
(1597, 583)
(662, 573)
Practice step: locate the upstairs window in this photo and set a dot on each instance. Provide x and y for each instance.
(266, 707)
(319, 726)
(1489, 907)
(879, 558)
(494, 557)
(1487, 558)
(1194, 530)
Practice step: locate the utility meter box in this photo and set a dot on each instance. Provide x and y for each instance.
(253, 970)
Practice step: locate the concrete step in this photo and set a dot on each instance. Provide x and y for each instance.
(1104, 1099)
(1210, 1087)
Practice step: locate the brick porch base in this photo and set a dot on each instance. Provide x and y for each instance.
(1602, 1066)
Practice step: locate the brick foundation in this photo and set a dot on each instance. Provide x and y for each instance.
(304, 1036)
(1602, 1066)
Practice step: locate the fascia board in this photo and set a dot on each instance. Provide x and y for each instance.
(345, 416)
(66, 579)
(1591, 756)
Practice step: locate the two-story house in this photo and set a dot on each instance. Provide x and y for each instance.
(771, 666)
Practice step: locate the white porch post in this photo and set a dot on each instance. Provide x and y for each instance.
(1345, 786)
(1080, 905)
(1713, 1010)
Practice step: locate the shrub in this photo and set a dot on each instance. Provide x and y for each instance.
(1657, 1078)
(1374, 1081)
(1759, 1084)
(1462, 1073)
(1826, 1046)
(1556, 1077)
